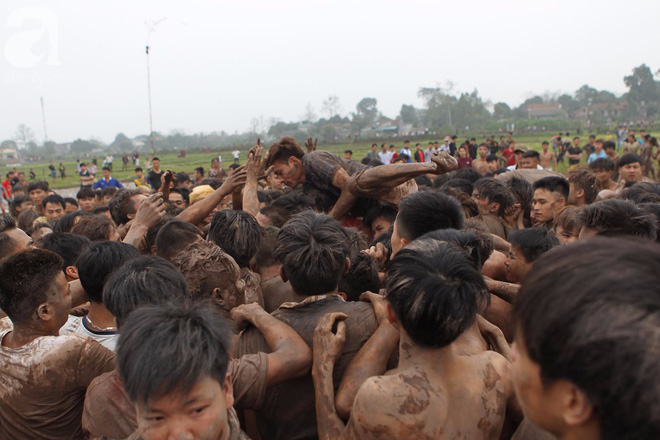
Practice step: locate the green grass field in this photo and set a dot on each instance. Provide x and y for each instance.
(196, 159)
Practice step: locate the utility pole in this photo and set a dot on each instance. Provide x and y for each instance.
(43, 114)
(151, 122)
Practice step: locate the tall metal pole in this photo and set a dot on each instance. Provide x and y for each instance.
(151, 122)
(43, 114)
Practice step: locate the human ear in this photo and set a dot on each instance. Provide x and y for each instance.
(71, 273)
(283, 274)
(45, 312)
(494, 208)
(404, 242)
(576, 409)
(229, 391)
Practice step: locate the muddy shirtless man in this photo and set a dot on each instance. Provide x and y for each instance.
(435, 393)
(480, 164)
(548, 159)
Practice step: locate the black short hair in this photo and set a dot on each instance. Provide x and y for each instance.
(629, 158)
(312, 249)
(26, 279)
(553, 184)
(533, 242)
(264, 256)
(433, 289)
(71, 201)
(174, 236)
(362, 276)
(349, 152)
(615, 217)
(39, 184)
(66, 245)
(598, 332)
(54, 198)
(146, 280)
(379, 210)
(496, 192)
(237, 233)
(532, 153)
(492, 158)
(584, 179)
(462, 185)
(294, 201)
(181, 178)
(276, 214)
(155, 158)
(424, 180)
(468, 174)
(98, 261)
(138, 169)
(212, 182)
(121, 205)
(108, 191)
(426, 211)
(200, 170)
(86, 192)
(603, 163)
(268, 196)
(165, 349)
(609, 144)
(642, 192)
(522, 192)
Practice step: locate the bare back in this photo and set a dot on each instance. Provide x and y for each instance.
(468, 400)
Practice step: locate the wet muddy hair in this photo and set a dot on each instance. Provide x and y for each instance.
(173, 237)
(98, 261)
(533, 242)
(121, 205)
(553, 184)
(282, 150)
(496, 192)
(168, 349)
(238, 233)
(205, 267)
(66, 245)
(97, 227)
(146, 280)
(433, 289)
(312, 249)
(615, 217)
(26, 280)
(605, 332)
(426, 211)
(586, 180)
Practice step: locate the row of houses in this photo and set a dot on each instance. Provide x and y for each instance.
(554, 110)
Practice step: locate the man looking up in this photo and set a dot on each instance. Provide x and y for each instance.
(550, 195)
(44, 375)
(314, 252)
(569, 332)
(349, 180)
(435, 392)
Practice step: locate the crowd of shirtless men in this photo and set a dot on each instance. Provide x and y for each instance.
(307, 295)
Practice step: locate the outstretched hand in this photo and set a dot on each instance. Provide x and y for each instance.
(255, 163)
(311, 144)
(150, 211)
(327, 344)
(379, 304)
(444, 162)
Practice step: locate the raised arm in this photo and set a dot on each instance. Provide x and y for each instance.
(149, 213)
(371, 360)
(290, 357)
(254, 165)
(200, 210)
(346, 198)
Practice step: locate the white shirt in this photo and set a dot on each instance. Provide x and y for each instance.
(235, 154)
(78, 326)
(385, 157)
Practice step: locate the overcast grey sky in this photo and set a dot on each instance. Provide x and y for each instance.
(217, 64)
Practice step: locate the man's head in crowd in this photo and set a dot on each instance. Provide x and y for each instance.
(170, 378)
(585, 357)
(527, 245)
(433, 292)
(423, 212)
(53, 206)
(12, 239)
(550, 195)
(106, 173)
(286, 158)
(610, 148)
(37, 191)
(583, 189)
(143, 281)
(212, 275)
(272, 215)
(107, 194)
(483, 151)
(314, 252)
(237, 233)
(155, 164)
(33, 291)
(492, 161)
(379, 219)
(492, 196)
(616, 218)
(603, 168)
(71, 204)
(69, 247)
(86, 198)
(125, 204)
(96, 228)
(179, 197)
(545, 145)
(630, 168)
(348, 155)
(98, 261)
(174, 236)
(20, 204)
(566, 226)
(530, 160)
